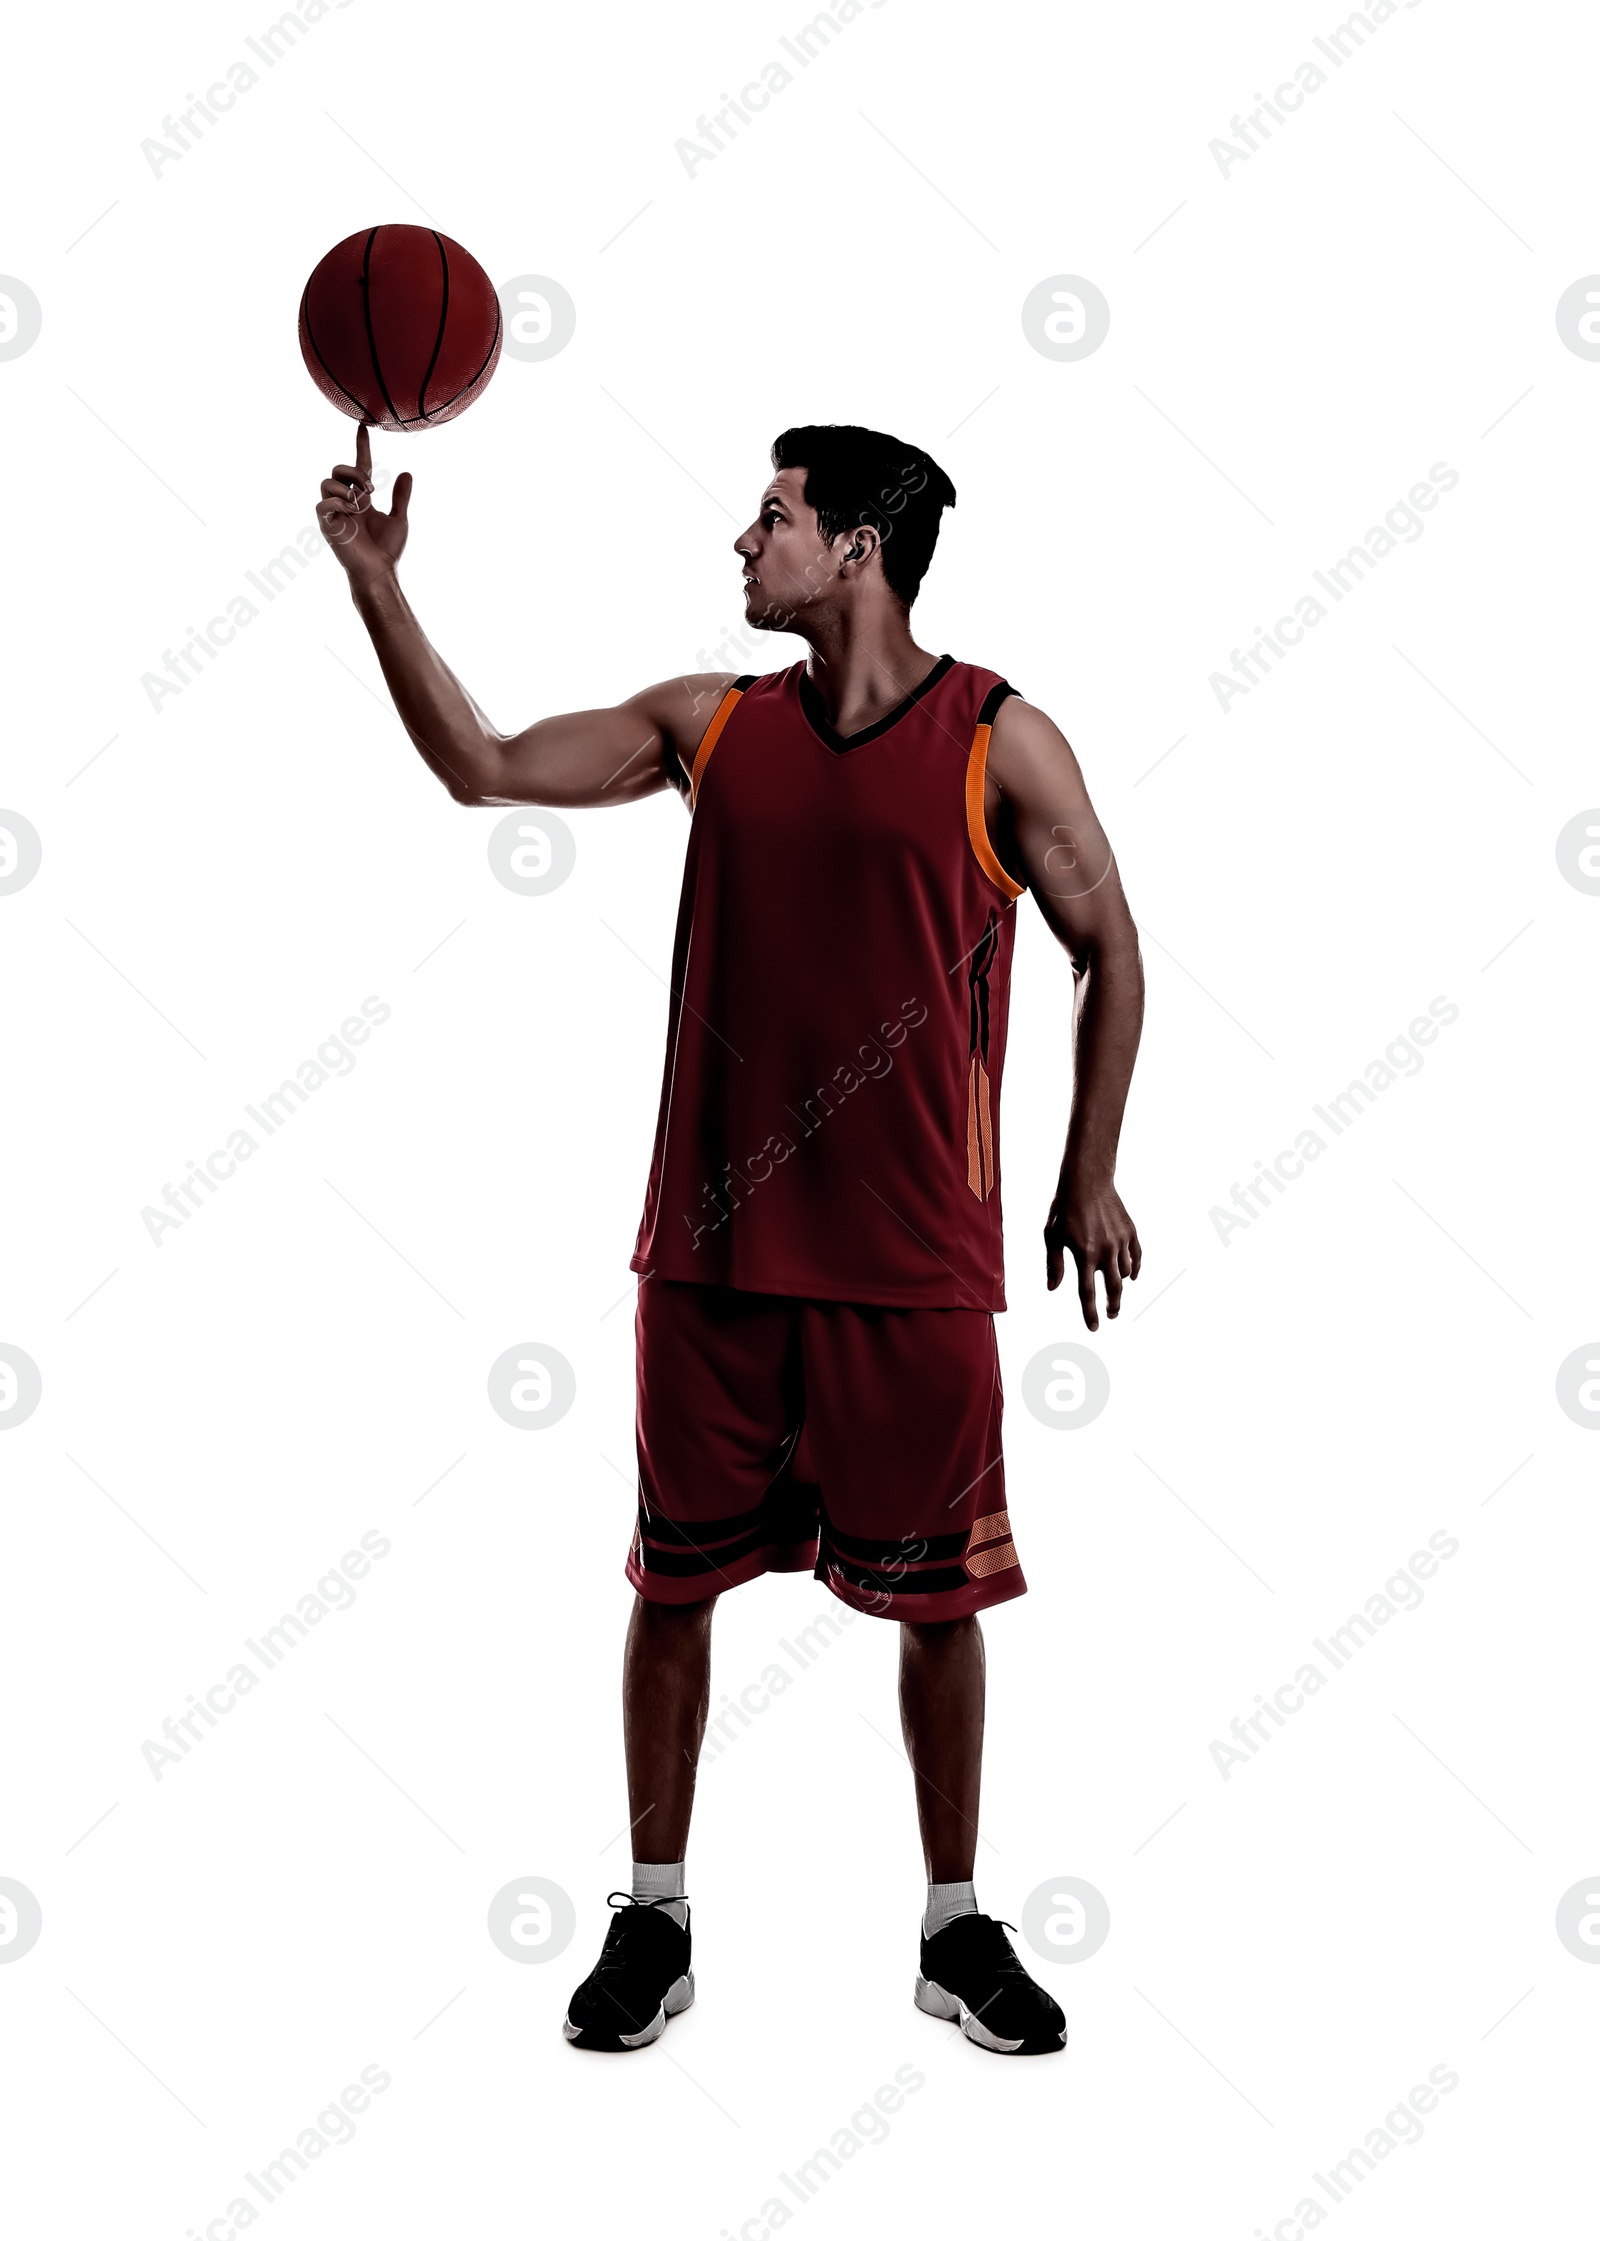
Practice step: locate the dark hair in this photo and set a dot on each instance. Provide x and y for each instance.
(857, 475)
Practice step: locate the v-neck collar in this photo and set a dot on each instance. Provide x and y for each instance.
(817, 716)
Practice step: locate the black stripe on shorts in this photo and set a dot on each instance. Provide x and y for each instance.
(941, 1582)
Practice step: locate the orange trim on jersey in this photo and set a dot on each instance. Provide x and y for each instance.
(713, 732)
(984, 1128)
(980, 1131)
(977, 827)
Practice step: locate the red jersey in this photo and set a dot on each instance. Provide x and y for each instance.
(829, 1124)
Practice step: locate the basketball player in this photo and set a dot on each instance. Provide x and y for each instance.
(820, 1254)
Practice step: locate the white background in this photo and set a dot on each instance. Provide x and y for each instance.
(1292, 1413)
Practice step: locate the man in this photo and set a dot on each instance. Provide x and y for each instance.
(820, 1253)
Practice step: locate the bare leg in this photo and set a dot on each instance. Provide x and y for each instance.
(666, 1694)
(941, 1717)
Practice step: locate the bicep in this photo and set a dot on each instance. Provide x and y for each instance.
(1053, 835)
(593, 758)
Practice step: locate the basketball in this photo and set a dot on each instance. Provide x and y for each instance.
(400, 326)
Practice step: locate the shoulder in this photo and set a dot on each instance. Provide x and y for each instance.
(681, 707)
(1026, 744)
(678, 711)
(999, 709)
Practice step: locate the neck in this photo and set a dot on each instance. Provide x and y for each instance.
(863, 665)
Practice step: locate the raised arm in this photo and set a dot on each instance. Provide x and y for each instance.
(1045, 831)
(589, 759)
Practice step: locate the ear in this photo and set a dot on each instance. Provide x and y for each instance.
(856, 547)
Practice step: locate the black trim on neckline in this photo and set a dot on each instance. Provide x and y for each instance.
(817, 716)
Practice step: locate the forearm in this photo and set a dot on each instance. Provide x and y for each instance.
(447, 727)
(1108, 1015)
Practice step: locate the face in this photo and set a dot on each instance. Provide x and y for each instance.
(786, 563)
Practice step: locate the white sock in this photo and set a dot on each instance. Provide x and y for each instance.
(653, 1880)
(945, 1902)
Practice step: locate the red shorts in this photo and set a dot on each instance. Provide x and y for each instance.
(790, 1435)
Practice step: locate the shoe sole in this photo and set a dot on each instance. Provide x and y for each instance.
(933, 1999)
(679, 1996)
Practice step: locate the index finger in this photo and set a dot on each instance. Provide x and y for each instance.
(363, 450)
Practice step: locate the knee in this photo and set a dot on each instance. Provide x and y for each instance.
(939, 1634)
(672, 1620)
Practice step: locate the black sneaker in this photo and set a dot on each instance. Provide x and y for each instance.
(642, 1977)
(971, 1976)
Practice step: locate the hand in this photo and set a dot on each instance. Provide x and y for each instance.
(1097, 1230)
(368, 544)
